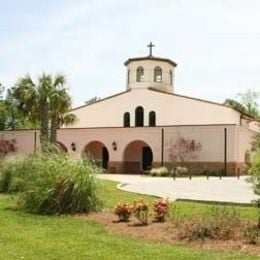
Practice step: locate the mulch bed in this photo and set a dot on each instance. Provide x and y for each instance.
(167, 232)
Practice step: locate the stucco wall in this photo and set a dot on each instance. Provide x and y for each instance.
(255, 126)
(170, 110)
(27, 141)
(211, 139)
(244, 138)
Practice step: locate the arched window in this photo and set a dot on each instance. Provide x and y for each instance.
(152, 118)
(126, 119)
(157, 74)
(139, 116)
(170, 77)
(140, 74)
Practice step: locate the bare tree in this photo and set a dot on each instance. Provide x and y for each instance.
(7, 146)
(184, 149)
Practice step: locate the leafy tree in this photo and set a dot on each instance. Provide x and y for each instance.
(10, 117)
(15, 118)
(235, 104)
(92, 100)
(247, 103)
(250, 100)
(2, 109)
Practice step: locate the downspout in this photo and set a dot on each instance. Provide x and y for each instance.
(162, 147)
(225, 151)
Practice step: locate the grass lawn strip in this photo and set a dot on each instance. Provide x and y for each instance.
(27, 236)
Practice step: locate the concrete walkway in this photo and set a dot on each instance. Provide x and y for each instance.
(228, 189)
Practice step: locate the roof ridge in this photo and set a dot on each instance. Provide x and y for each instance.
(204, 100)
(100, 100)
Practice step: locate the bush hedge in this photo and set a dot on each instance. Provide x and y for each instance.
(159, 172)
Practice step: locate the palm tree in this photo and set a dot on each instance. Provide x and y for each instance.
(45, 102)
(60, 104)
(26, 96)
(44, 88)
(33, 101)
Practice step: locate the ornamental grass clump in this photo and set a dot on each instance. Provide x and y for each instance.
(48, 183)
(123, 210)
(161, 208)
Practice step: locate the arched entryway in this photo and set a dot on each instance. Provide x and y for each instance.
(138, 156)
(98, 152)
(61, 147)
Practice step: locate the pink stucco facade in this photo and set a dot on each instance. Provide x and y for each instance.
(124, 145)
(224, 134)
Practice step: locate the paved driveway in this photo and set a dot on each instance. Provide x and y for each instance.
(228, 189)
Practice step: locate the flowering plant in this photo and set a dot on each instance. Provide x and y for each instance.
(140, 211)
(123, 210)
(161, 209)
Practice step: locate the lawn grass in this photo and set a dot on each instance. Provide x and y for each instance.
(27, 236)
(111, 195)
(181, 209)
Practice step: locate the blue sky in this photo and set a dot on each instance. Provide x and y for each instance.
(215, 43)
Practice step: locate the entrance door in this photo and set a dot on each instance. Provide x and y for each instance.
(105, 157)
(147, 158)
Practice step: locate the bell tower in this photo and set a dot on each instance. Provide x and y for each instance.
(150, 72)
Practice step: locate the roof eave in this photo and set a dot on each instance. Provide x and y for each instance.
(150, 58)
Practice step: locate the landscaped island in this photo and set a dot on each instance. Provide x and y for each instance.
(187, 232)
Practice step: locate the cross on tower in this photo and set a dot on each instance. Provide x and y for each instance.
(150, 46)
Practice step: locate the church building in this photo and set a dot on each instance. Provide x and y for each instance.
(149, 125)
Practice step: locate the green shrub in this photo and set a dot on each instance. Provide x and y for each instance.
(252, 234)
(224, 224)
(5, 179)
(181, 171)
(53, 184)
(159, 172)
(254, 171)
